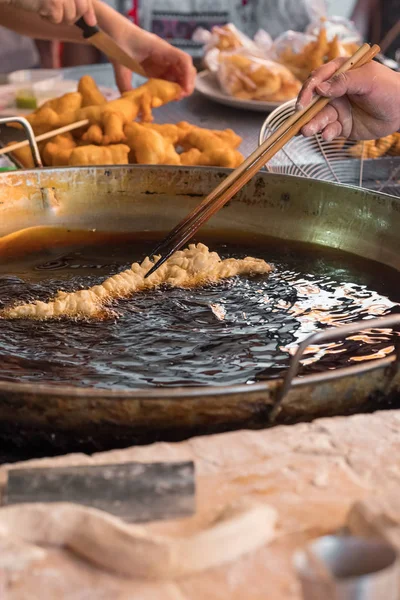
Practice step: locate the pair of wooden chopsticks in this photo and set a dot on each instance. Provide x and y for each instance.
(242, 175)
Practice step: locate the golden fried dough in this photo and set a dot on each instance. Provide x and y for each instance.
(217, 157)
(24, 156)
(56, 153)
(91, 95)
(252, 78)
(149, 146)
(314, 54)
(66, 103)
(373, 148)
(161, 92)
(99, 155)
(94, 135)
(194, 266)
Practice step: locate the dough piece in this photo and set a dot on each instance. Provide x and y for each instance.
(66, 103)
(373, 148)
(99, 155)
(161, 92)
(395, 149)
(313, 55)
(254, 78)
(24, 156)
(132, 551)
(170, 132)
(113, 123)
(94, 135)
(150, 147)
(56, 153)
(91, 95)
(194, 266)
(219, 157)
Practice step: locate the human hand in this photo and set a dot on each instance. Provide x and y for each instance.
(365, 102)
(160, 60)
(65, 12)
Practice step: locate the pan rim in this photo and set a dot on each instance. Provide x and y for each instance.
(174, 168)
(175, 392)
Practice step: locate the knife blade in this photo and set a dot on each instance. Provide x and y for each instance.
(100, 40)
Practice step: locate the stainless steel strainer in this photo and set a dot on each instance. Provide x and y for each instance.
(330, 161)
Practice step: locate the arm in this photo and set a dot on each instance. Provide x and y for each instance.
(33, 25)
(158, 58)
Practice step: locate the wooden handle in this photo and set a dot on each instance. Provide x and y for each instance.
(45, 136)
(88, 30)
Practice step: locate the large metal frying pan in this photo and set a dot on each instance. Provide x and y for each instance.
(155, 198)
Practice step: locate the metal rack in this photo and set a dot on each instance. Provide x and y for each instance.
(330, 161)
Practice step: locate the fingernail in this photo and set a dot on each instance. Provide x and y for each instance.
(299, 106)
(324, 88)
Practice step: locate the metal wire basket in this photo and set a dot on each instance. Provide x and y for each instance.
(338, 161)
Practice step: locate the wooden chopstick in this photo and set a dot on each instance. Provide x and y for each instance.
(45, 136)
(224, 185)
(238, 178)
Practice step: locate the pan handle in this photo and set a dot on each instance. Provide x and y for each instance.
(329, 335)
(29, 134)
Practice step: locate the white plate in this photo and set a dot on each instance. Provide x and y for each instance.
(8, 107)
(207, 84)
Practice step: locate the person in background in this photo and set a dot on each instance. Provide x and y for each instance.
(364, 102)
(379, 23)
(53, 20)
(177, 20)
(16, 51)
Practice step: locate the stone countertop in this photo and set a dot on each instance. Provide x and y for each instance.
(310, 473)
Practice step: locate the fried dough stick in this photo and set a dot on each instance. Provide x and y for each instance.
(149, 147)
(204, 147)
(56, 152)
(161, 92)
(194, 266)
(91, 95)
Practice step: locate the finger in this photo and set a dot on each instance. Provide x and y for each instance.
(123, 78)
(345, 114)
(185, 73)
(332, 131)
(315, 79)
(90, 16)
(53, 11)
(69, 12)
(328, 115)
(356, 82)
(85, 9)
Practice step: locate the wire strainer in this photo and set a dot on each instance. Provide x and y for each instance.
(339, 161)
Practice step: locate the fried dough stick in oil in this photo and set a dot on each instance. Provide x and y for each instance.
(188, 268)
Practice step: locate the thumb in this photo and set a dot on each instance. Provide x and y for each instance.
(355, 82)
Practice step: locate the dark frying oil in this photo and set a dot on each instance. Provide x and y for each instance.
(237, 331)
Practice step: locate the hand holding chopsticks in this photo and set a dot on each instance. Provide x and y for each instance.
(185, 230)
